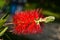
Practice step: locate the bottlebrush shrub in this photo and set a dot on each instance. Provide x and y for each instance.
(24, 22)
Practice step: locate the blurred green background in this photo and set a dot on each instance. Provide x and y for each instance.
(50, 7)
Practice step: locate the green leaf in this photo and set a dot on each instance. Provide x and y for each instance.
(2, 22)
(3, 31)
(5, 16)
(3, 19)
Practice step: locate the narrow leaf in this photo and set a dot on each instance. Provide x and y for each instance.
(3, 31)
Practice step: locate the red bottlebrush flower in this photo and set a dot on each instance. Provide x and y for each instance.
(24, 22)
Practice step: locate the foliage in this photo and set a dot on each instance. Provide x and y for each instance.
(2, 22)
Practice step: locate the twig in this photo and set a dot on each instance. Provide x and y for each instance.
(6, 24)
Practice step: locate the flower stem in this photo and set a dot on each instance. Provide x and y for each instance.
(46, 19)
